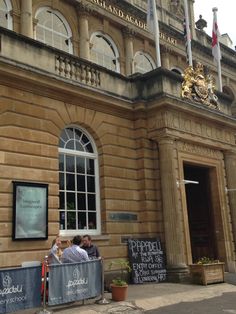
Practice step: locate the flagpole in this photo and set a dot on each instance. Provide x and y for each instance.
(218, 52)
(156, 33)
(190, 59)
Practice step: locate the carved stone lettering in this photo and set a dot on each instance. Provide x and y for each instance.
(199, 150)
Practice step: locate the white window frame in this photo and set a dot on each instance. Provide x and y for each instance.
(93, 156)
(148, 57)
(67, 26)
(8, 12)
(113, 47)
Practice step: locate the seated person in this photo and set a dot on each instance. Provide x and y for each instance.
(74, 253)
(91, 249)
(55, 253)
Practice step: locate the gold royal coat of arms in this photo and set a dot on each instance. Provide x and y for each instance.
(199, 88)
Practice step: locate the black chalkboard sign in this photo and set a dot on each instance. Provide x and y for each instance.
(147, 260)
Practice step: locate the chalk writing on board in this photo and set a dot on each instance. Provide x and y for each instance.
(147, 260)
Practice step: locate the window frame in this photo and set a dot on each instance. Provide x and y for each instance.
(110, 42)
(94, 156)
(9, 16)
(148, 57)
(64, 21)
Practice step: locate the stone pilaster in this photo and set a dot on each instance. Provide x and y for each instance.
(26, 18)
(83, 12)
(173, 222)
(230, 169)
(165, 51)
(129, 50)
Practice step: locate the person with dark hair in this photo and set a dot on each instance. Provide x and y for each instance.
(91, 249)
(74, 253)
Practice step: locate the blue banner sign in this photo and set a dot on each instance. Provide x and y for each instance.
(74, 282)
(20, 289)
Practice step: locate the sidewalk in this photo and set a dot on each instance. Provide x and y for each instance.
(148, 296)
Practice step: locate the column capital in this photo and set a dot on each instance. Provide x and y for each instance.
(230, 153)
(128, 32)
(84, 9)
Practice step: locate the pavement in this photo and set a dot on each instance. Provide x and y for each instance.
(145, 297)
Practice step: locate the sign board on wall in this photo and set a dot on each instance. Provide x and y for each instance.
(30, 211)
(147, 260)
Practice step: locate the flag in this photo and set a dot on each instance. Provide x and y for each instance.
(216, 47)
(187, 35)
(150, 16)
(153, 27)
(187, 38)
(215, 39)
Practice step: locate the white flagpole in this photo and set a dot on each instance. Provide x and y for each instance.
(152, 16)
(190, 58)
(156, 34)
(218, 55)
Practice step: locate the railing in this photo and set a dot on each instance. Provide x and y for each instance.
(74, 70)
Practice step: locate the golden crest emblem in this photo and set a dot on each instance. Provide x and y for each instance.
(199, 88)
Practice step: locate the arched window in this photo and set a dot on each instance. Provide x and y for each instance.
(227, 90)
(5, 16)
(78, 183)
(143, 62)
(104, 52)
(176, 70)
(53, 29)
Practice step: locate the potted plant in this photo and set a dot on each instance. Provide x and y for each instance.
(119, 285)
(206, 271)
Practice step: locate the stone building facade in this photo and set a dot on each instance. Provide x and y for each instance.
(83, 110)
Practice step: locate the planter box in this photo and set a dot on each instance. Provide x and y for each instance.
(205, 274)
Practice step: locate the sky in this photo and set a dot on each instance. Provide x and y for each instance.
(225, 16)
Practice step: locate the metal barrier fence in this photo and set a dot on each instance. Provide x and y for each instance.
(22, 288)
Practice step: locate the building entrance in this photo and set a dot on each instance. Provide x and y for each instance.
(200, 212)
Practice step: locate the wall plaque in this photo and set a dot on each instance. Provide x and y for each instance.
(30, 211)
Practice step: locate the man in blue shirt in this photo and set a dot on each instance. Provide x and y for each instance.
(74, 253)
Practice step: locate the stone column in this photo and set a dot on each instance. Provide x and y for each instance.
(173, 217)
(230, 169)
(83, 12)
(26, 18)
(129, 50)
(165, 51)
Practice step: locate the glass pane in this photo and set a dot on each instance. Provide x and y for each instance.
(70, 144)
(80, 161)
(70, 133)
(90, 166)
(77, 134)
(62, 200)
(64, 136)
(81, 183)
(48, 37)
(70, 182)
(70, 201)
(62, 220)
(89, 148)
(61, 181)
(70, 163)
(92, 221)
(71, 220)
(82, 223)
(61, 162)
(84, 139)
(78, 146)
(91, 202)
(81, 201)
(90, 184)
